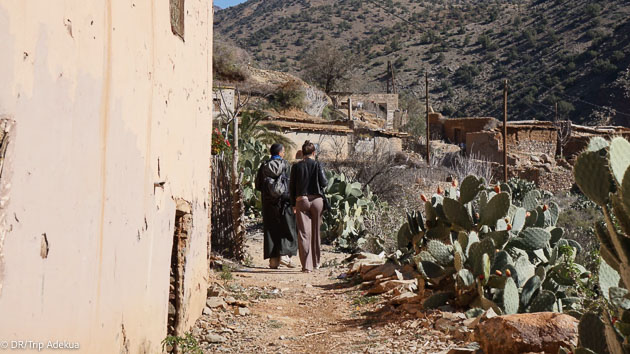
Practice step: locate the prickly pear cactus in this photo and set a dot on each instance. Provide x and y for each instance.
(603, 174)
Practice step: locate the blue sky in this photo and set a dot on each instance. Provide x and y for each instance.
(227, 3)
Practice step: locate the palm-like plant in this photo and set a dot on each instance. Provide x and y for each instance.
(251, 128)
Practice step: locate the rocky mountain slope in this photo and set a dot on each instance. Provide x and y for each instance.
(575, 53)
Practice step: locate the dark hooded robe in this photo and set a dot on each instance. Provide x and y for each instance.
(280, 236)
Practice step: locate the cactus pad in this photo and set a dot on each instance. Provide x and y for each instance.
(531, 287)
(618, 297)
(441, 252)
(593, 177)
(608, 278)
(437, 299)
(530, 200)
(496, 209)
(501, 260)
(470, 187)
(597, 143)
(619, 157)
(510, 297)
(532, 218)
(457, 214)
(518, 221)
(465, 279)
(404, 236)
(426, 256)
(544, 302)
(530, 239)
(496, 281)
(554, 213)
(431, 271)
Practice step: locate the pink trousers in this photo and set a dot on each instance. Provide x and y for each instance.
(309, 221)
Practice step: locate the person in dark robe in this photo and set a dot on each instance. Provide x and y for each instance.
(280, 236)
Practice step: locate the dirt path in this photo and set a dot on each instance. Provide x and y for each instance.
(293, 312)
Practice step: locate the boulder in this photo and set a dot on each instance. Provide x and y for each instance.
(403, 285)
(216, 302)
(531, 332)
(386, 270)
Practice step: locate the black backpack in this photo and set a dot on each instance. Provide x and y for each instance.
(276, 187)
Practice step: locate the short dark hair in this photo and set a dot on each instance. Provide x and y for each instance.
(276, 148)
(308, 148)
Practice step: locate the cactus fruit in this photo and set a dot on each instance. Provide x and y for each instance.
(454, 183)
(424, 198)
(440, 190)
(497, 189)
(498, 272)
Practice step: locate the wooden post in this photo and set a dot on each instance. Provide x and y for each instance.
(505, 134)
(349, 109)
(426, 83)
(393, 77)
(389, 74)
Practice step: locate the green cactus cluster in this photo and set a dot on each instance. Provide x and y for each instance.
(477, 249)
(602, 172)
(344, 224)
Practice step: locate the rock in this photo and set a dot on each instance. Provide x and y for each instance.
(216, 302)
(404, 285)
(398, 275)
(546, 159)
(386, 270)
(534, 159)
(446, 325)
(547, 167)
(407, 298)
(230, 300)
(241, 311)
(216, 290)
(531, 332)
(207, 311)
(214, 338)
(454, 316)
(487, 315)
(468, 349)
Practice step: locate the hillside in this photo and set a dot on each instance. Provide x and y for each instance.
(574, 53)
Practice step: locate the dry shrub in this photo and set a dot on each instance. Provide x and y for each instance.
(229, 63)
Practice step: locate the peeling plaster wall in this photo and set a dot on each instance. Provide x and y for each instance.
(106, 102)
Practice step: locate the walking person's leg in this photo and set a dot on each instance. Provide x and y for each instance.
(304, 233)
(317, 208)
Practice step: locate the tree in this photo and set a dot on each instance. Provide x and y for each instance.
(328, 65)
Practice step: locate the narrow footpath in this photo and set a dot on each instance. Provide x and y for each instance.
(254, 309)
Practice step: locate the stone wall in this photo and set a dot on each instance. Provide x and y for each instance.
(110, 117)
(521, 141)
(341, 145)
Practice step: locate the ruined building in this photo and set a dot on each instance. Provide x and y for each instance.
(105, 111)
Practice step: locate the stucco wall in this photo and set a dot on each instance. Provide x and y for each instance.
(107, 104)
(331, 145)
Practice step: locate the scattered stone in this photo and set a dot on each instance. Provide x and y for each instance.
(454, 316)
(545, 158)
(214, 338)
(404, 285)
(407, 298)
(386, 270)
(531, 332)
(216, 302)
(241, 311)
(207, 311)
(216, 290)
(534, 158)
(445, 325)
(230, 300)
(468, 349)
